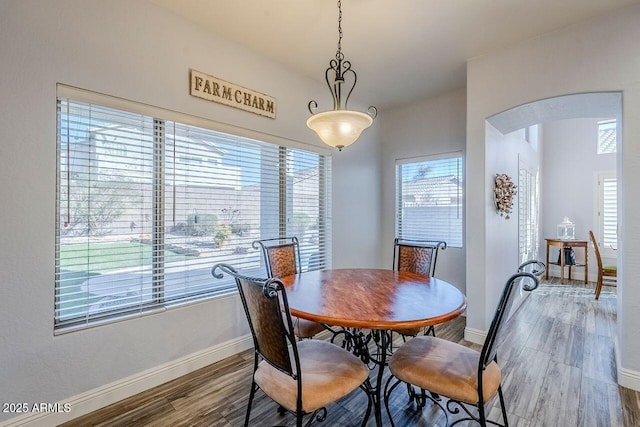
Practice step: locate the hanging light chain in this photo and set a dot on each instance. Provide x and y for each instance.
(341, 127)
(339, 52)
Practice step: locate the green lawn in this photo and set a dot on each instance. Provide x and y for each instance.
(105, 257)
(109, 256)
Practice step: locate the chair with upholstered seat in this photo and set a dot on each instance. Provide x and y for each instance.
(608, 271)
(416, 256)
(301, 376)
(451, 371)
(282, 258)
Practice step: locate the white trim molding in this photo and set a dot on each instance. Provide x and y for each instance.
(475, 336)
(100, 397)
(626, 377)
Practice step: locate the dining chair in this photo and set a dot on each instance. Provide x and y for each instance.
(451, 371)
(282, 258)
(608, 271)
(303, 377)
(416, 256)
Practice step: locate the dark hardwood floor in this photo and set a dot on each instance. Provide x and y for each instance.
(557, 360)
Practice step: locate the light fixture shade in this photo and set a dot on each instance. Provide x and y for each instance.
(339, 128)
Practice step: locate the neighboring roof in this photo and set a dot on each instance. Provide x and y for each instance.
(442, 190)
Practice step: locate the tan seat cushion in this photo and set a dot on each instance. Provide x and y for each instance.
(329, 372)
(444, 367)
(306, 328)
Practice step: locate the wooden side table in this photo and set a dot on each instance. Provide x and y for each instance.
(569, 244)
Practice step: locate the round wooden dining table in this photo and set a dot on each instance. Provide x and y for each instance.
(373, 299)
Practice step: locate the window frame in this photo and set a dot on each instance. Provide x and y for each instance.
(459, 240)
(606, 247)
(160, 117)
(600, 145)
(528, 211)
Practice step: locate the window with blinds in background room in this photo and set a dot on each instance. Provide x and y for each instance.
(528, 212)
(429, 199)
(147, 205)
(607, 136)
(608, 213)
(607, 190)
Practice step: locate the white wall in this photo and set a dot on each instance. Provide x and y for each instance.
(598, 55)
(133, 50)
(429, 127)
(570, 163)
(356, 205)
(503, 155)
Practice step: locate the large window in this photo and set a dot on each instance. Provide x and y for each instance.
(146, 205)
(429, 199)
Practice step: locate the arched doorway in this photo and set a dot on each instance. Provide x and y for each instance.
(572, 175)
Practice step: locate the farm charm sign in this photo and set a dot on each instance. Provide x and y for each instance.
(223, 92)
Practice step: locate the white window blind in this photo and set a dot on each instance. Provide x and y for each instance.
(607, 137)
(429, 199)
(528, 216)
(307, 206)
(608, 212)
(146, 206)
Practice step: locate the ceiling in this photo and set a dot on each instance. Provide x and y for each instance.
(402, 50)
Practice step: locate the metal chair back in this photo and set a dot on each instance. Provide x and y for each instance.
(281, 255)
(267, 310)
(488, 352)
(416, 256)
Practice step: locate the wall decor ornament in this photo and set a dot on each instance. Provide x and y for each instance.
(503, 194)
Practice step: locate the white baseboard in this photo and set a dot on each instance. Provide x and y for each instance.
(629, 379)
(474, 335)
(577, 274)
(100, 397)
(626, 377)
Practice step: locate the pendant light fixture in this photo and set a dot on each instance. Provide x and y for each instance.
(340, 127)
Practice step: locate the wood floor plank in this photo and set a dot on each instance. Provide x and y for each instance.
(514, 421)
(600, 404)
(566, 343)
(523, 381)
(630, 400)
(559, 394)
(512, 342)
(150, 412)
(598, 361)
(556, 357)
(540, 334)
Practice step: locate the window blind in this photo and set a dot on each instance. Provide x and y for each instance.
(307, 207)
(429, 199)
(607, 137)
(609, 212)
(528, 207)
(146, 206)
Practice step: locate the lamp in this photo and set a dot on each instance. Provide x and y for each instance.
(340, 127)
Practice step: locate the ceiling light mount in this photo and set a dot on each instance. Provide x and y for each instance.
(340, 127)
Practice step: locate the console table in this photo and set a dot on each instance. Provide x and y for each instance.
(560, 243)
